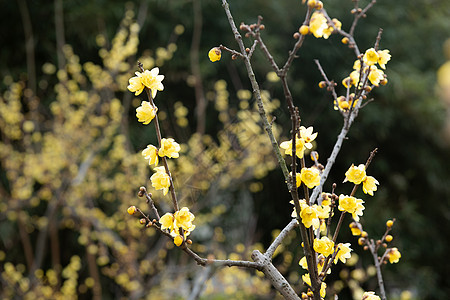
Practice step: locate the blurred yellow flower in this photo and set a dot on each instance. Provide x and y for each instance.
(370, 296)
(299, 147)
(178, 240)
(383, 58)
(146, 112)
(394, 255)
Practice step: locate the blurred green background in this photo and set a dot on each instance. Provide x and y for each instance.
(405, 122)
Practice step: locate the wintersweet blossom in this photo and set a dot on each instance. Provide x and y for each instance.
(160, 180)
(152, 80)
(355, 229)
(344, 252)
(299, 147)
(307, 279)
(327, 32)
(351, 205)
(324, 246)
(394, 255)
(383, 58)
(214, 54)
(131, 210)
(318, 24)
(307, 135)
(169, 148)
(146, 112)
(151, 153)
(135, 85)
(370, 296)
(356, 174)
(370, 185)
(184, 218)
(167, 222)
(309, 215)
(375, 75)
(370, 57)
(178, 240)
(310, 177)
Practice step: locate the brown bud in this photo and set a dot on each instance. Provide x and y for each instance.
(320, 167)
(366, 248)
(242, 26)
(384, 245)
(319, 5)
(189, 241)
(296, 35)
(252, 27)
(368, 89)
(359, 10)
(378, 242)
(364, 97)
(234, 56)
(247, 34)
(149, 224)
(364, 234)
(262, 27)
(247, 50)
(141, 192)
(353, 11)
(143, 221)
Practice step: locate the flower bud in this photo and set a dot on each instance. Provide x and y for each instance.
(364, 234)
(319, 5)
(311, 3)
(322, 84)
(389, 223)
(304, 30)
(389, 238)
(361, 241)
(345, 40)
(131, 210)
(143, 221)
(296, 35)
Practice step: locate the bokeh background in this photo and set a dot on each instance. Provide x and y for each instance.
(70, 160)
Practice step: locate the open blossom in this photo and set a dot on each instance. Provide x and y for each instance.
(146, 112)
(375, 75)
(370, 185)
(324, 246)
(308, 214)
(370, 57)
(167, 222)
(151, 153)
(169, 148)
(383, 58)
(318, 24)
(152, 80)
(344, 252)
(370, 296)
(351, 205)
(356, 174)
(184, 219)
(394, 255)
(310, 177)
(307, 135)
(327, 32)
(160, 180)
(135, 85)
(299, 147)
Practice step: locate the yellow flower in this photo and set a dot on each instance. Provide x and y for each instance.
(318, 24)
(370, 57)
(307, 135)
(146, 112)
(151, 153)
(169, 148)
(184, 218)
(299, 147)
(310, 177)
(327, 32)
(343, 253)
(178, 240)
(356, 174)
(351, 205)
(167, 222)
(135, 85)
(355, 230)
(215, 54)
(323, 212)
(383, 58)
(306, 279)
(394, 255)
(309, 215)
(131, 210)
(160, 180)
(354, 77)
(370, 185)
(152, 80)
(375, 75)
(357, 65)
(324, 246)
(370, 296)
